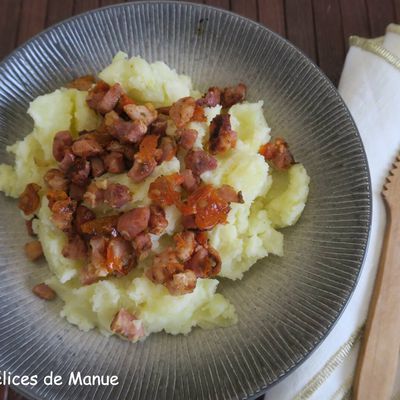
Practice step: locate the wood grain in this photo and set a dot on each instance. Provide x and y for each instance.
(32, 19)
(218, 3)
(58, 10)
(246, 8)
(329, 37)
(81, 6)
(300, 26)
(380, 14)
(271, 13)
(9, 21)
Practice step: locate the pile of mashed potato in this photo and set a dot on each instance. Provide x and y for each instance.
(273, 200)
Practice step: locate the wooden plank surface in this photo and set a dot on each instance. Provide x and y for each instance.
(320, 28)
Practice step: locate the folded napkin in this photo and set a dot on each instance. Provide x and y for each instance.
(370, 86)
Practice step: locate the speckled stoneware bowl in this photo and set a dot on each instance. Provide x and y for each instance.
(287, 305)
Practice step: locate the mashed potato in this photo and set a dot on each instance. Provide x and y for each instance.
(273, 200)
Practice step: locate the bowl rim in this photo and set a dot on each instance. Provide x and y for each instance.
(337, 97)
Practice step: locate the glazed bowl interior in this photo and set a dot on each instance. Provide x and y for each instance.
(286, 305)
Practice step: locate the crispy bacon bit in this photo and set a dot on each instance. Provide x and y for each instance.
(229, 194)
(185, 245)
(29, 200)
(187, 137)
(127, 325)
(97, 167)
(55, 179)
(82, 215)
(44, 292)
(67, 162)
(164, 110)
(94, 195)
(163, 190)
(117, 195)
(133, 222)
(232, 95)
(182, 283)
(188, 222)
(123, 101)
(103, 98)
(190, 182)
(209, 208)
(101, 226)
(204, 263)
(79, 172)
(168, 148)
(182, 111)
(82, 83)
(146, 113)
(75, 248)
(145, 159)
(159, 126)
(199, 115)
(211, 98)
(222, 137)
(114, 162)
(142, 244)
(200, 161)
(86, 147)
(165, 265)
(278, 153)
(127, 131)
(33, 250)
(120, 258)
(158, 221)
(55, 195)
(61, 143)
(76, 192)
(62, 213)
(29, 227)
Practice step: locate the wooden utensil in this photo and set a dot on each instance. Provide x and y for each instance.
(377, 362)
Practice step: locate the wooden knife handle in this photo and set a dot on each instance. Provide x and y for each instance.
(378, 358)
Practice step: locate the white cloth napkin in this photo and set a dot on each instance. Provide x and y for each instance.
(370, 86)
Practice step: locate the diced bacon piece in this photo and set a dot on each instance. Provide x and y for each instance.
(61, 143)
(114, 162)
(142, 244)
(83, 83)
(55, 179)
(67, 161)
(117, 195)
(200, 161)
(120, 257)
(187, 138)
(182, 283)
(204, 263)
(165, 265)
(188, 222)
(233, 95)
(75, 248)
(123, 101)
(229, 194)
(211, 98)
(168, 148)
(33, 250)
(55, 195)
(97, 167)
(146, 113)
(128, 150)
(104, 101)
(222, 137)
(164, 110)
(133, 222)
(127, 325)
(190, 182)
(44, 292)
(159, 126)
(86, 147)
(29, 227)
(82, 215)
(163, 190)
(29, 200)
(79, 172)
(141, 170)
(101, 226)
(278, 153)
(76, 192)
(185, 244)
(181, 112)
(62, 213)
(158, 221)
(199, 115)
(208, 207)
(94, 195)
(128, 131)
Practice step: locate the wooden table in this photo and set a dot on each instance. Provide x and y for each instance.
(318, 27)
